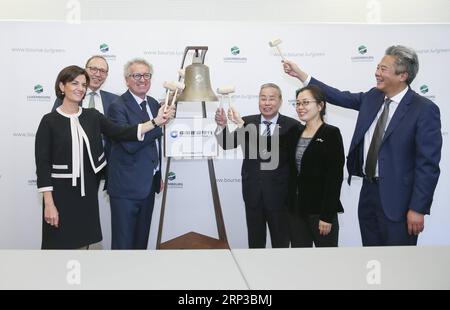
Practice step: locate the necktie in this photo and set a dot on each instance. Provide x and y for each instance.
(372, 154)
(143, 105)
(267, 131)
(92, 101)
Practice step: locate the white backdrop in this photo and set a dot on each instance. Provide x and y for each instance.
(32, 53)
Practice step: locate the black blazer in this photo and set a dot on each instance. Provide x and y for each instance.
(53, 144)
(316, 189)
(107, 99)
(263, 173)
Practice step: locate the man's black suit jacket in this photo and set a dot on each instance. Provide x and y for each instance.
(265, 174)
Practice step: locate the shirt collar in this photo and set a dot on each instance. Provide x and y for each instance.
(397, 98)
(273, 120)
(97, 92)
(58, 109)
(138, 99)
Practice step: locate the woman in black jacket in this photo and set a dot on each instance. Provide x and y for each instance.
(317, 163)
(69, 154)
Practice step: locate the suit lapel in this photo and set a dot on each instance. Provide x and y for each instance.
(133, 106)
(153, 107)
(105, 101)
(366, 119)
(400, 112)
(314, 137)
(256, 121)
(280, 125)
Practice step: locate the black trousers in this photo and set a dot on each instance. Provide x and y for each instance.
(304, 232)
(259, 218)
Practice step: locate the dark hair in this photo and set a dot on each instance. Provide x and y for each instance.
(68, 74)
(318, 95)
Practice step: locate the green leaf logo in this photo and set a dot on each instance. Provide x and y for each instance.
(38, 89)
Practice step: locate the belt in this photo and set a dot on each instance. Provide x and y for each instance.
(372, 179)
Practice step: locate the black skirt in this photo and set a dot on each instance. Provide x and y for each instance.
(79, 219)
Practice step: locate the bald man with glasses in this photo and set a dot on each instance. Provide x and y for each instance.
(97, 68)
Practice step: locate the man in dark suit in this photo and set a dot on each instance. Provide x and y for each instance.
(264, 139)
(97, 69)
(134, 169)
(396, 148)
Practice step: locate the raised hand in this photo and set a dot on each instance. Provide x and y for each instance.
(221, 118)
(292, 69)
(235, 117)
(164, 117)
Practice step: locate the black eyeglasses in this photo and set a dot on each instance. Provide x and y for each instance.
(94, 70)
(138, 76)
(304, 103)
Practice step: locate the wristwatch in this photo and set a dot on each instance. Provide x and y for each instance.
(154, 123)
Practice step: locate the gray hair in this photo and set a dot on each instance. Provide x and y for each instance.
(406, 61)
(141, 61)
(271, 85)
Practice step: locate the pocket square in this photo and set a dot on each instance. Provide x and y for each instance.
(319, 140)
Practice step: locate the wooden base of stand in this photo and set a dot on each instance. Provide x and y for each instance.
(193, 240)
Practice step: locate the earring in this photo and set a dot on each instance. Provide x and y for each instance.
(62, 93)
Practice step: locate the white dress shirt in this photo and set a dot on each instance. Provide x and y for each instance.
(369, 133)
(97, 99)
(149, 111)
(262, 126)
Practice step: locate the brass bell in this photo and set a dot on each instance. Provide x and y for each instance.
(198, 84)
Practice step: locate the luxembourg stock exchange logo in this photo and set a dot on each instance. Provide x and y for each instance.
(362, 57)
(235, 50)
(171, 177)
(424, 89)
(38, 94)
(234, 58)
(104, 47)
(174, 134)
(38, 89)
(362, 49)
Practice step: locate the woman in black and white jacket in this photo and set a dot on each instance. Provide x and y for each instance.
(317, 166)
(69, 153)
